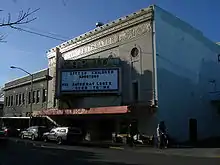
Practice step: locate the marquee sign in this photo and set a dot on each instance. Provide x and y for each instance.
(93, 80)
(98, 110)
(91, 63)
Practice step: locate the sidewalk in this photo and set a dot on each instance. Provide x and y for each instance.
(192, 152)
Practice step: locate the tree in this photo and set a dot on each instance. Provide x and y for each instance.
(23, 18)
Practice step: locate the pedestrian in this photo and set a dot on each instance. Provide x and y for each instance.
(158, 136)
(161, 135)
(131, 133)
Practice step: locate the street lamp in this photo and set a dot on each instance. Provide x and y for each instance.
(31, 92)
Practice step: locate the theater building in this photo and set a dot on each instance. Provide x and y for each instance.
(148, 66)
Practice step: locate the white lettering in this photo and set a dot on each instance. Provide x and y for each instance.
(112, 39)
(90, 80)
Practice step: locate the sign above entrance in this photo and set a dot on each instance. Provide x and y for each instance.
(91, 63)
(98, 110)
(93, 80)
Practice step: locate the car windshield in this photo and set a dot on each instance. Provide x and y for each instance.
(74, 130)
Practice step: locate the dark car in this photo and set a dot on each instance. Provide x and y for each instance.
(2, 132)
(9, 131)
(34, 132)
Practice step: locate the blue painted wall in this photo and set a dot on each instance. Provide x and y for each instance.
(186, 64)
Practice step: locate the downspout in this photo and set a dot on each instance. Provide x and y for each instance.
(155, 91)
(47, 84)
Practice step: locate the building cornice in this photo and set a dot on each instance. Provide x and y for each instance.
(105, 30)
(25, 83)
(16, 79)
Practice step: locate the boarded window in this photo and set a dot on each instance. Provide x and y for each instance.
(12, 101)
(29, 97)
(23, 98)
(16, 99)
(19, 99)
(44, 95)
(38, 96)
(6, 101)
(34, 96)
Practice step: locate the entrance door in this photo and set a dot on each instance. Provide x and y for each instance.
(106, 127)
(193, 130)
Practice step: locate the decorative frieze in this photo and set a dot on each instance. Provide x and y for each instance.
(110, 40)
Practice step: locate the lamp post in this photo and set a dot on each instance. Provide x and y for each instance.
(31, 90)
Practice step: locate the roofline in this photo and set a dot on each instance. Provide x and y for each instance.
(19, 78)
(14, 117)
(102, 28)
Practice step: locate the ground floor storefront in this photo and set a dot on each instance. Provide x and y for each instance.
(99, 124)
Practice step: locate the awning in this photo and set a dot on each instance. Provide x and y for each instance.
(14, 117)
(83, 111)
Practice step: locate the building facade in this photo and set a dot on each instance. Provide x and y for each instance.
(167, 73)
(17, 97)
(149, 66)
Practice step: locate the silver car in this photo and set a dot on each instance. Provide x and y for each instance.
(34, 132)
(63, 134)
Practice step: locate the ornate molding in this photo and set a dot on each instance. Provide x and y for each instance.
(52, 62)
(118, 37)
(109, 28)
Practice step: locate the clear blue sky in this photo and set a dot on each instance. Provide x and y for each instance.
(75, 17)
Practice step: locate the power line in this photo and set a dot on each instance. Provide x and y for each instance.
(42, 35)
(42, 31)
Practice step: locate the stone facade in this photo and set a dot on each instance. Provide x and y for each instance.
(17, 94)
(130, 40)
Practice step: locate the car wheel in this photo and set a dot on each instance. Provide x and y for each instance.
(45, 139)
(59, 140)
(32, 137)
(22, 136)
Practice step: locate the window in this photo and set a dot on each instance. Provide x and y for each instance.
(16, 100)
(23, 98)
(9, 100)
(19, 99)
(34, 96)
(54, 102)
(44, 95)
(62, 131)
(74, 131)
(38, 96)
(212, 86)
(134, 52)
(12, 101)
(29, 97)
(135, 91)
(6, 101)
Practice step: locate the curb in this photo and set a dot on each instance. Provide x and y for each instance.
(116, 148)
(39, 144)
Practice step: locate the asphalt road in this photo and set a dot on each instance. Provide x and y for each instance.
(13, 153)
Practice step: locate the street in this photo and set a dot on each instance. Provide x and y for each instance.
(14, 153)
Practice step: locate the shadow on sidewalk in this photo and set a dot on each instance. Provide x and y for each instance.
(206, 143)
(28, 154)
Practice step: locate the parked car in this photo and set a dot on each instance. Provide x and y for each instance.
(34, 132)
(9, 131)
(12, 131)
(64, 134)
(2, 132)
